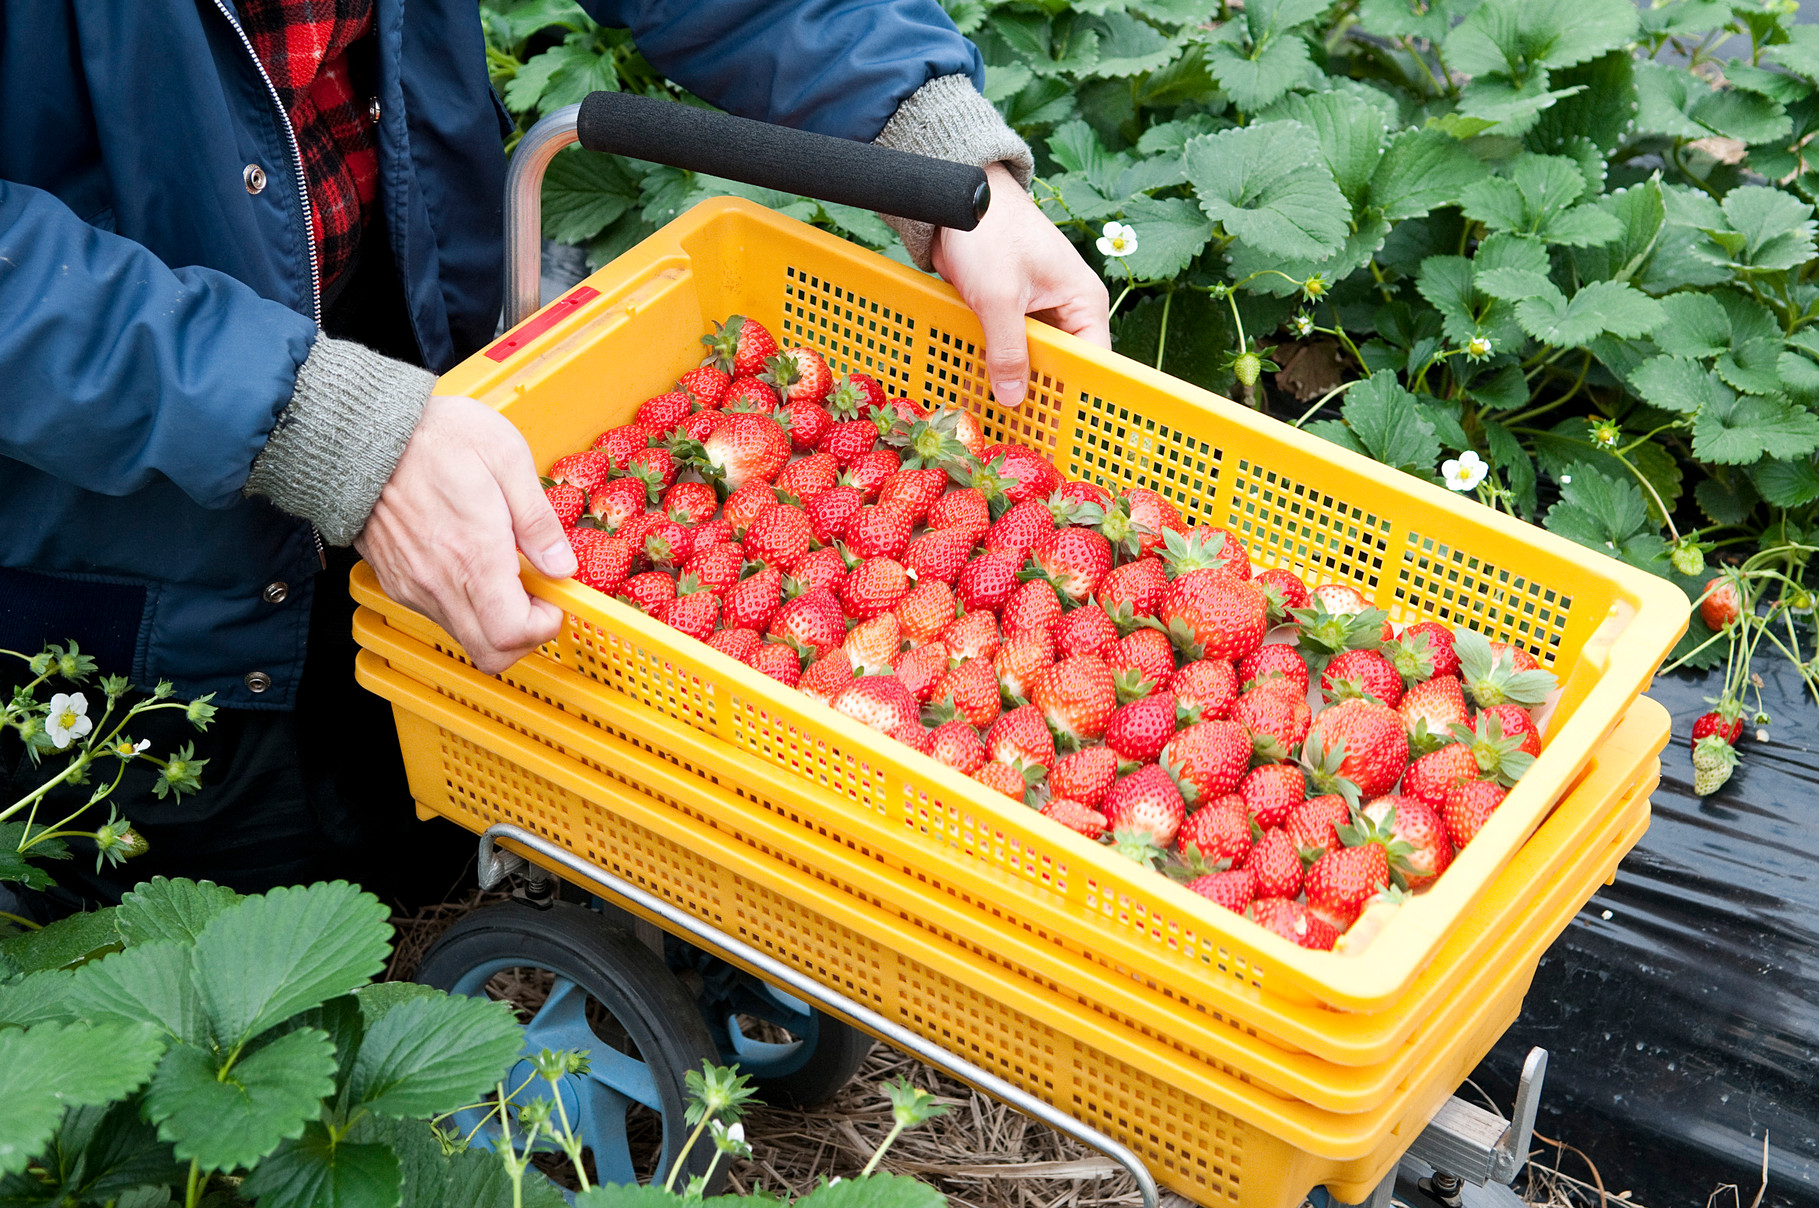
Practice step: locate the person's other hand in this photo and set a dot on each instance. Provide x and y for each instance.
(1015, 263)
(444, 535)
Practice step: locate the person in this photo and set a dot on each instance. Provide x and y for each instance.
(237, 241)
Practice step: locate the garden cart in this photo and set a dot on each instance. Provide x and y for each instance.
(757, 859)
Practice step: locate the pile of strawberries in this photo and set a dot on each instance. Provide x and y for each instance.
(1278, 746)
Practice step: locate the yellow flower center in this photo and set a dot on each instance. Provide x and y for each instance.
(68, 718)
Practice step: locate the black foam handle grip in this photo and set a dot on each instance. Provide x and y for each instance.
(840, 170)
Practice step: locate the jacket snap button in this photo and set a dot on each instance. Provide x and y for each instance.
(257, 681)
(372, 110)
(254, 176)
(277, 593)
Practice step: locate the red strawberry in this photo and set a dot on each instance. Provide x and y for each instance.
(1271, 791)
(1149, 658)
(1021, 735)
(1014, 780)
(1342, 882)
(1207, 759)
(916, 489)
(959, 746)
(568, 501)
(870, 471)
(716, 568)
(1214, 615)
(1075, 560)
(938, 555)
(1147, 801)
(618, 444)
(1029, 473)
(1017, 531)
(714, 532)
(1433, 775)
(779, 537)
(880, 702)
(1285, 592)
(831, 510)
(1361, 673)
(1438, 641)
(1419, 826)
(1085, 630)
(921, 669)
(985, 583)
(741, 644)
(800, 375)
(747, 503)
(1434, 706)
(916, 737)
(876, 585)
(872, 646)
(1077, 816)
(1033, 605)
(807, 423)
(1375, 744)
(1291, 920)
(820, 568)
(826, 677)
(857, 396)
(1275, 717)
(665, 413)
(849, 440)
(1340, 599)
(972, 690)
(1232, 889)
(617, 502)
(706, 385)
(601, 561)
(1313, 825)
(648, 590)
(812, 622)
(1720, 605)
(1276, 864)
(1020, 662)
(1077, 698)
(964, 509)
(699, 425)
(1726, 720)
(779, 662)
(1209, 685)
(972, 635)
(879, 531)
(1218, 831)
(1138, 520)
(925, 611)
(588, 470)
(1085, 775)
(1274, 660)
(1138, 730)
(752, 602)
(1204, 548)
(693, 612)
(1516, 724)
(746, 447)
(1468, 807)
(656, 467)
(690, 503)
(740, 346)
(807, 477)
(1132, 591)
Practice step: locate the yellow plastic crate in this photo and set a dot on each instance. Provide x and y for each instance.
(1298, 502)
(1203, 1129)
(862, 854)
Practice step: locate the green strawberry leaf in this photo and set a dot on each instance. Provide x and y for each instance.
(1389, 424)
(1600, 307)
(223, 1120)
(1744, 428)
(49, 1068)
(1268, 186)
(1515, 39)
(1677, 384)
(1171, 232)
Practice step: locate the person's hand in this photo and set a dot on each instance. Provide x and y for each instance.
(442, 535)
(1015, 263)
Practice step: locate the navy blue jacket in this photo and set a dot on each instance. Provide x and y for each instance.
(153, 311)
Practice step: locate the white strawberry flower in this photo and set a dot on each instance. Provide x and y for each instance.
(1117, 240)
(1465, 472)
(1478, 347)
(1301, 324)
(68, 718)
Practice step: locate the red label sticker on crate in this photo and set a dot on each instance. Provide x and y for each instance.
(551, 315)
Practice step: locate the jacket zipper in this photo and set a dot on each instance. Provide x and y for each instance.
(290, 135)
(309, 232)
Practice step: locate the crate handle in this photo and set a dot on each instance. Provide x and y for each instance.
(840, 170)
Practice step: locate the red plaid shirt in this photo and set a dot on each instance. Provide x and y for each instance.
(303, 45)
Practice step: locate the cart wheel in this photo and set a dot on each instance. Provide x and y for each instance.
(807, 1065)
(601, 992)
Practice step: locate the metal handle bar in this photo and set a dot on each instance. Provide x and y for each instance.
(493, 869)
(839, 170)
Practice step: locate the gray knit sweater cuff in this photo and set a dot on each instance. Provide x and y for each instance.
(335, 446)
(947, 118)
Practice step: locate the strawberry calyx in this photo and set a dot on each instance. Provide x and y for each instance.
(930, 442)
(1349, 687)
(1069, 512)
(1133, 844)
(1321, 765)
(1423, 741)
(723, 343)
(1412, 656)
(1361, 830)
(1122, 529)
(1499, 757)
(1189, 863)
(780, 373)
(1182, 554)
(1492, 679)
(1324, 633)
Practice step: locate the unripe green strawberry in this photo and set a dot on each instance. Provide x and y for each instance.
(1714, 760)
(1247, 368)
